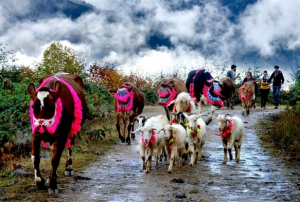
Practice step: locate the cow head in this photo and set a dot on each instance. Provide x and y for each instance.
(124, 96)
(244, 91)
(44, 100)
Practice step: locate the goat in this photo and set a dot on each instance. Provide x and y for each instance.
(152, 137)
(141, 119)
(231, 131)
(196, 131)
(183, 103)
(175, 140)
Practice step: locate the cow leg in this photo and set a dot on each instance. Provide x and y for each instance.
(225, 151)
(158, 152)
(253, 101)
(142, 155)
(247, 109)
(124, 128)
(118, 128)
(212, 111)
(243, 108)
(167, 113)
(193, 154)
(35, 157)
(172, 158)
(149, 159)
(132, 129)
(69, 167)
(57, 152)
(131, 119)
(230, 99)
(163, 155)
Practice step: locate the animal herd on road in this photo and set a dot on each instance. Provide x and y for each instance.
(58, 109)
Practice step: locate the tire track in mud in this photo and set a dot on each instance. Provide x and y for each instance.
(118, 175)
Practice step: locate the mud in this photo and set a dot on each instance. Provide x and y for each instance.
(260, 176)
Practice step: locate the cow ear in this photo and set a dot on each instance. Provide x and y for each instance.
(113, 92)
(31, 90)
(57, 90)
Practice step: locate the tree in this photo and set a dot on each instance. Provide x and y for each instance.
(59, 58)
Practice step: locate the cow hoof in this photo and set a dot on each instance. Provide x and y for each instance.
(169, 171)
(52, 191)
(69, 173)
(132, 135)
(42, 184)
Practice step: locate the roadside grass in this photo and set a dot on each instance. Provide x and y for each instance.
(282, 132)
(21, 187)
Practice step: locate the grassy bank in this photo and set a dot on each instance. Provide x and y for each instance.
(16, 182)
(282, 132)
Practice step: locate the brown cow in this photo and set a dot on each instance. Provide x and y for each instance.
(129, 103)
(168, 91)
(57, 110)
(228, 89)
(247, 96)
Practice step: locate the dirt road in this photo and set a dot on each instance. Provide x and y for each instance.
(118, 175)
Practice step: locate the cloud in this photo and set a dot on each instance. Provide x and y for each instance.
(267, 24)
(120, 33)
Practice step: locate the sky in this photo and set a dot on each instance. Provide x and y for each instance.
(160, 35)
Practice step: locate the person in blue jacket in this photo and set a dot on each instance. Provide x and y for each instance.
(278, 81)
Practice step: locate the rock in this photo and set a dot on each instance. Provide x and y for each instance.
(168, 200)
(177, 180)
(180, 196)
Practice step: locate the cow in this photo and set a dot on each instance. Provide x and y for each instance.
(129, 103)
(247, 95)
(202, 86)
(205, 89)
(168, 91)
(57, 111)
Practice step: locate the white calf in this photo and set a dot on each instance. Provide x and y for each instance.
(175, 142)
(196, 131)
(152, 138)
(232, 131)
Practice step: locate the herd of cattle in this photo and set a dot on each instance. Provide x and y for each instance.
(58, 109)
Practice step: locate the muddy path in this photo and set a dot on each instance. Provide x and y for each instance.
(118, 175)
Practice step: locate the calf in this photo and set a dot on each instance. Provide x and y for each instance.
(152, 138)
(247, 96)
(175, 140)
(231, 131)
(196, 131)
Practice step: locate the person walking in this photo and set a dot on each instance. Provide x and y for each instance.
(231, 74)
(264, 89)
(248, 77)
(278, 81)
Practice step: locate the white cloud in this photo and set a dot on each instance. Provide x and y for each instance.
(117, 36)
(267, 23)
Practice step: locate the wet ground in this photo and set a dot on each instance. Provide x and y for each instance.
(118, 175)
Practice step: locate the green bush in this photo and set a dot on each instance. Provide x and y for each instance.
(151, 96)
